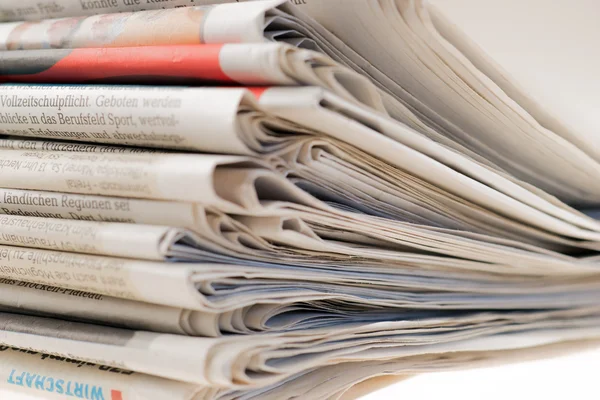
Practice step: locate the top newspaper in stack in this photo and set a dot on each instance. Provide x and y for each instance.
(44, 9)
(483, 122)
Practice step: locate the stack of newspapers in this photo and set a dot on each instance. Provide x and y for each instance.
(305, 199)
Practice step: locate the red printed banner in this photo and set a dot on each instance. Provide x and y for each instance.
(116, 395)
(154, 64)
(257, 91)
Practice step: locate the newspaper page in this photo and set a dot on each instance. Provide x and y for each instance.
(278, 25)
(56, 377)
(234, 131)
(147, 176)
(361, 181)
(217, 231)
(315, 101)
(191, 23)
(32, 203)
(306, 159)
(224, 362)
(78, 305)
(366, 237)
(143, 116)
(467, 101)
(44, 9)
(155, 174)
(254, 64)
(213, 287)
(209, 237)
(22, 143)
(567, 116)
(354, 380)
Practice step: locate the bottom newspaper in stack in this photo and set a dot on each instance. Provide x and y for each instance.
(255, 290)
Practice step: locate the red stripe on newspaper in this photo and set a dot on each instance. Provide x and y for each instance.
(257, 91)
(116, 395)
(199, 62)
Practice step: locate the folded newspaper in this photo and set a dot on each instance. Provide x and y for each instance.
(290, 199)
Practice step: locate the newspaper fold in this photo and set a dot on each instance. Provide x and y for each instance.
(258, 64)
(360, 185)
(42, 9)
(226, 182)
(358, 181)
(262, 360)
(22, 369)
(247, 187)
(307, 233)
(268, 129)
(39, 299)
(417, 282)
(464, 90)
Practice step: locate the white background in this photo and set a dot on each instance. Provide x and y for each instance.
(573, 377)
